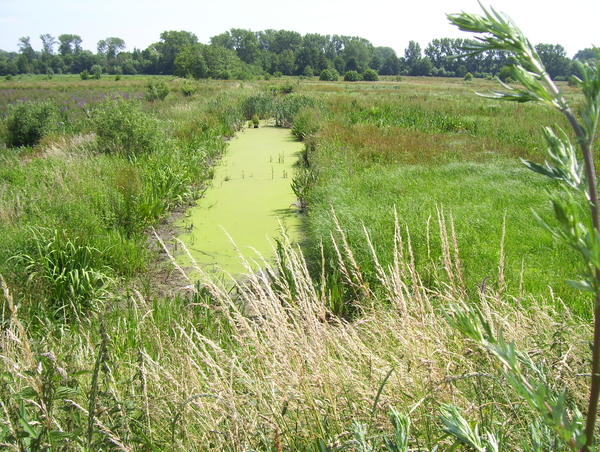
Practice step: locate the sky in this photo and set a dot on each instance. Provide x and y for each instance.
(572, 24)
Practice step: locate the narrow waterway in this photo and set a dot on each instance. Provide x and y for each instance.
(250, 197)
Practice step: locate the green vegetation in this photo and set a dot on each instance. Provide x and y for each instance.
(418, 227)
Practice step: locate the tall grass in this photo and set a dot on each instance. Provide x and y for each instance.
(253, 365)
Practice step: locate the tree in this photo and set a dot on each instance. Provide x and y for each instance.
(171, 42)
(190, 62)
(412, 53)
(245, 44)
(110, 47)
(360, 50)
(48, 43)
(69, 44)
(554, 58)
(587, 54)
(422, 67)
(27, 55)
(391, 66)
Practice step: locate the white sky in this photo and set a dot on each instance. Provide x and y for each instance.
(383, 22)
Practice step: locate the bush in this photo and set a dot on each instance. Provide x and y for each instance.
(96, 71)
(329, 75)
(123, 128)
(157, 88)
(27, 122)
(468, 77)
(370, 75)
(85, 75)
(188, 88)
(351, 76)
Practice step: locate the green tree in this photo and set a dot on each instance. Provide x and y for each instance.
(48, 43)
(361, 51)
(391, 65)
(554, 58)
(412, 54)
(110, 47)
(190, 62)
(171, 43)
(25, 60)
(69, 44)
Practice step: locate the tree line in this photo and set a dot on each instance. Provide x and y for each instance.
(240, 54)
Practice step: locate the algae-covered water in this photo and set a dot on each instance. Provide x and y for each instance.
(249, 199)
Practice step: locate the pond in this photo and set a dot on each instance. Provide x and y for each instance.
(248, 203)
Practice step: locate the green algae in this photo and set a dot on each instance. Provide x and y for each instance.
(248, 203)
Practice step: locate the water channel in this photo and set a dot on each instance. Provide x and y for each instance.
(250, 198)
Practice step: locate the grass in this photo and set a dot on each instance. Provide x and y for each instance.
(252, 368)
(314, 353)
(430, 151)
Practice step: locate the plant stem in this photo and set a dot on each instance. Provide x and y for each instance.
(585, 144)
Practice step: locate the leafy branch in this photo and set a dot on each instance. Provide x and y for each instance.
(578, 227)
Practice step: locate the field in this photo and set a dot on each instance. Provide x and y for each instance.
(415, 199)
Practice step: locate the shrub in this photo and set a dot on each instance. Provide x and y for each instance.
(27, 122)
(157, 88)
(8, 77)
(85, 75)
(329, 75)
(188, 88)
(468, 77)
(96, 71)
(351, 76)
(123, 128)
(370, 75)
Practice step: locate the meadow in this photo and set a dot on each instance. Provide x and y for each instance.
(415, 198)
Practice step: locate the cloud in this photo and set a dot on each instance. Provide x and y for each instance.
(9, 20)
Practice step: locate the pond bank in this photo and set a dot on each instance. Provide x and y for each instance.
(250, 198)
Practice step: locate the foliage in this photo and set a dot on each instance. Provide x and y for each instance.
(370, 75)
(576, 207)
(96, 71)
(123, 128)
(286, 108)
(85, 75)
(307, 122)
(156, 89)
(351, 76)
(188, 88)
(260, 104)
(26, 123)
(329, 75)
(74, 281)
